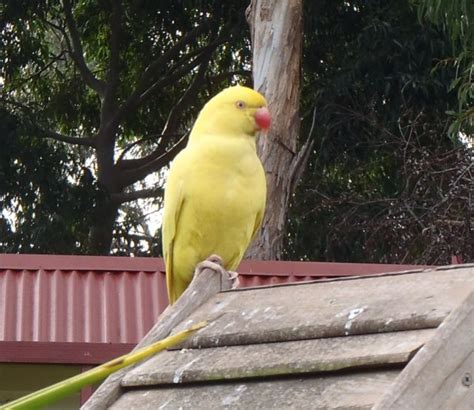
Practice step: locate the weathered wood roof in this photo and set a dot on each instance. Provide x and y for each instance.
(343, 343)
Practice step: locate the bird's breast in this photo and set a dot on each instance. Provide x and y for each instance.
(223, 192)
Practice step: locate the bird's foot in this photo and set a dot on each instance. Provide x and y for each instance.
(214, 262)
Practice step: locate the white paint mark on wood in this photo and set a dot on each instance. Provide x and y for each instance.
(222, 303)
(353, 313)
(178, 376)
(165, 404)
(252, 313)
(235, 396)
(231, 323)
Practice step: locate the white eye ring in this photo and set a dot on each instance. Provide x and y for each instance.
(240, 105)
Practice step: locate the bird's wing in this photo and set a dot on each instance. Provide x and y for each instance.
(258, 222)
(174, 200)
(261, 210)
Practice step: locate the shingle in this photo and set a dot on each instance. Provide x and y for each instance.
(276, 359)
(326, 344)
(337, 391)
(384, 303)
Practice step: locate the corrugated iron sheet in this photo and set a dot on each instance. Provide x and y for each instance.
(248, 281)
(264, 273)
(95, 305)
(319, 269)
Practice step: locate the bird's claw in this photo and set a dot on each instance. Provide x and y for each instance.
(214, 262)
(234, 279)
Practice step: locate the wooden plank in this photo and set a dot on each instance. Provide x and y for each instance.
(438, 376)
(203, 287)
(286, 358)
(346, 391)
(331, 309)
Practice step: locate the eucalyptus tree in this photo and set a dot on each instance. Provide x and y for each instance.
(456, 18)
(117, 83)
(384, 182)
(97, 96)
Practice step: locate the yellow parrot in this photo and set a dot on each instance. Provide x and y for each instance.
(216, 189)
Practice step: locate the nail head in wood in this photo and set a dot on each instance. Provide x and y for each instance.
(467, 379)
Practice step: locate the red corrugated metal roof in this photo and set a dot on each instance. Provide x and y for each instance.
(263, 273)
(79, 299)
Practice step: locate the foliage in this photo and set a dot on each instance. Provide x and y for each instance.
(42, 191)
(87, 118)
(384, 184)
(52, 394)
(457, 19)
(119, 82)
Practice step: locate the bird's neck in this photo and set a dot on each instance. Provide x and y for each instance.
(233, 147)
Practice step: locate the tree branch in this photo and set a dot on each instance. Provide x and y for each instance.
(179, 70)
(123, 197)
(84, 141)
(160, 62)
(183, 103)
(131, 163)
(151, 163)
(171, 125)
(77, 53)
(42, 70)
(153, 70)
(62, 31)
(109, 103)
(115, 34)
(299, 162)
(229, 74)
(177, 74)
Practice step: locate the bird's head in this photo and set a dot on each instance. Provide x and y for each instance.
(234, 111)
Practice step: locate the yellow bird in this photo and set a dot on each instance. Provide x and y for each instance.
(216, 189)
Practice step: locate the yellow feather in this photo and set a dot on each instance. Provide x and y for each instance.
(216, 190)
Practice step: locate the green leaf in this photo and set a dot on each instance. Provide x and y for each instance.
(69, 386)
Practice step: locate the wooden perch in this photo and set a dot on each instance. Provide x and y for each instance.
(202, 288)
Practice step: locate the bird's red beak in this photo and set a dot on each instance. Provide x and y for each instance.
(263, 118)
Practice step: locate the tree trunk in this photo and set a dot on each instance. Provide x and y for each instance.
(101, 230)
(106, 212)
(277, 31)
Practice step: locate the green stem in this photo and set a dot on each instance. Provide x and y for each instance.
(66, 387)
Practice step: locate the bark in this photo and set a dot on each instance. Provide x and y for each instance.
(101, 231)
(106, 211)
(277, 31)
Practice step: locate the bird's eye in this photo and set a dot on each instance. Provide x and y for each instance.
(240, 105)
